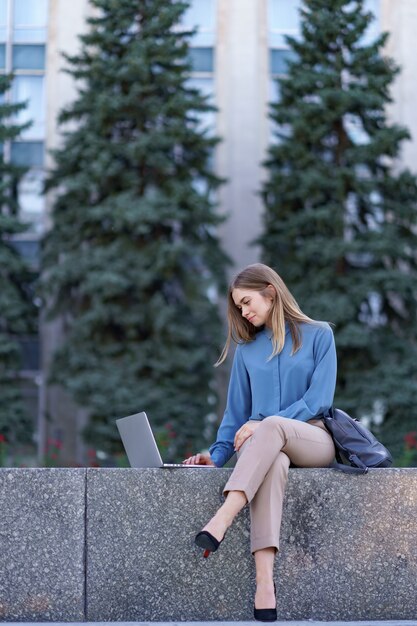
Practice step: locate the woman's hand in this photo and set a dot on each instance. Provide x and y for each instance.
(244, 433)
(199, 459)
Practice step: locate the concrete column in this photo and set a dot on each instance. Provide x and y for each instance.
(399, 18)
(242, 91)
(67, 20)
(59, 419)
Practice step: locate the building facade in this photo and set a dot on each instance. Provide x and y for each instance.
(237, 53)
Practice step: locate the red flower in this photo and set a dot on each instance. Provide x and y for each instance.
(54, 443)
(410, 440)
(2, 439)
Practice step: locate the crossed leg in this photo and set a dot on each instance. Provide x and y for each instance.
(260, 478)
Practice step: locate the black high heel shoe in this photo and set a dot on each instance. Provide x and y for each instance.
(205, 540)
(266, 615)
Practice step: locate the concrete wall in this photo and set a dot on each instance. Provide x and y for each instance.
(242, 82)
(59, 418)
(42, 545)
(399, 18)
(117, 545)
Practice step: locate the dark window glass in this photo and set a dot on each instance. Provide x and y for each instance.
(30, 347)
(27, 153)
(2, 55)
(201, 59)
(279, 60)
(28, 57)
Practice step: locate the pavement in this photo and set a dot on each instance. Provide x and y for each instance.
(251, 623)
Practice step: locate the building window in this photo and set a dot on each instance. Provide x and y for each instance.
(374, 29)
(202, 60)
(284, 19)
(30, 89)
(3, 20)
(28, 57)
(23, 53)
(23, 33)
(201, 15)
(29, 20)
(279, 60)
(31, 202)
(28, 153)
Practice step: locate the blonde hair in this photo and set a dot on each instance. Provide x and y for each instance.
(259, 277)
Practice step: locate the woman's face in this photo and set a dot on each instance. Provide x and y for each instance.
(253, 305)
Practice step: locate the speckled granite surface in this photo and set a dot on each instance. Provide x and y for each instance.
(42, 544)
(349, 547)
(248, 623)
(142, 563)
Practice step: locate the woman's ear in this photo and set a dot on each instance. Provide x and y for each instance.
(271, 292)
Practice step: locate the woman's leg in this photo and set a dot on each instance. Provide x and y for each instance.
(225, 515)
(264, 565)
(306, 445)
(266, 506)
(260, 477)
(302, 443)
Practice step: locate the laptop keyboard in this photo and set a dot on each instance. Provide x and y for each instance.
(183, 465)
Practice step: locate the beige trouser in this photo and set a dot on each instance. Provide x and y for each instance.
(262, 469)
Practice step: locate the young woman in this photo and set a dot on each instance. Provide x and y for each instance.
(283, 379)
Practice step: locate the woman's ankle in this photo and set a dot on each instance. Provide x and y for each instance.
(265, 579)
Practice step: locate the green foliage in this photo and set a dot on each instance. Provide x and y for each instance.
(340, 220)
(16, 309)
(132, 262)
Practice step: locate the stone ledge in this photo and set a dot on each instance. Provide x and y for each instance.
(42, 543)
(251, 623)
(117, 545)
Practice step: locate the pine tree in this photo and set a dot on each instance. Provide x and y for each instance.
(132, 262)
(340, 218)
(17, 312)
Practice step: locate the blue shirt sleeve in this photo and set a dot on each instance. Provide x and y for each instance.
(238, 410)
(319, 395)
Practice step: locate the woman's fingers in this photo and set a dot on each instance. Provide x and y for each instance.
(237, 436)
(192, 460)
(199, 459)
(244, 433)
(241, 438)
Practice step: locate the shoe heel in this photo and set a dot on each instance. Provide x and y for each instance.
(206, 541)
(206, 554)
(266, 615)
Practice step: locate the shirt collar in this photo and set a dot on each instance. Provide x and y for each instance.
(268, 331)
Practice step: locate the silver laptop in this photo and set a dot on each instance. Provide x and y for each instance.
(139, 443)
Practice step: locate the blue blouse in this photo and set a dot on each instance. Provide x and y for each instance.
(299, 387)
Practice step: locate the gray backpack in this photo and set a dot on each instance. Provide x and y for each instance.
(357, 448)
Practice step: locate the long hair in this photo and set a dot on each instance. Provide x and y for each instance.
(284, 308)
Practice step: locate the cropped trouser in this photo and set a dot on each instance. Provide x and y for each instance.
(261, 470)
